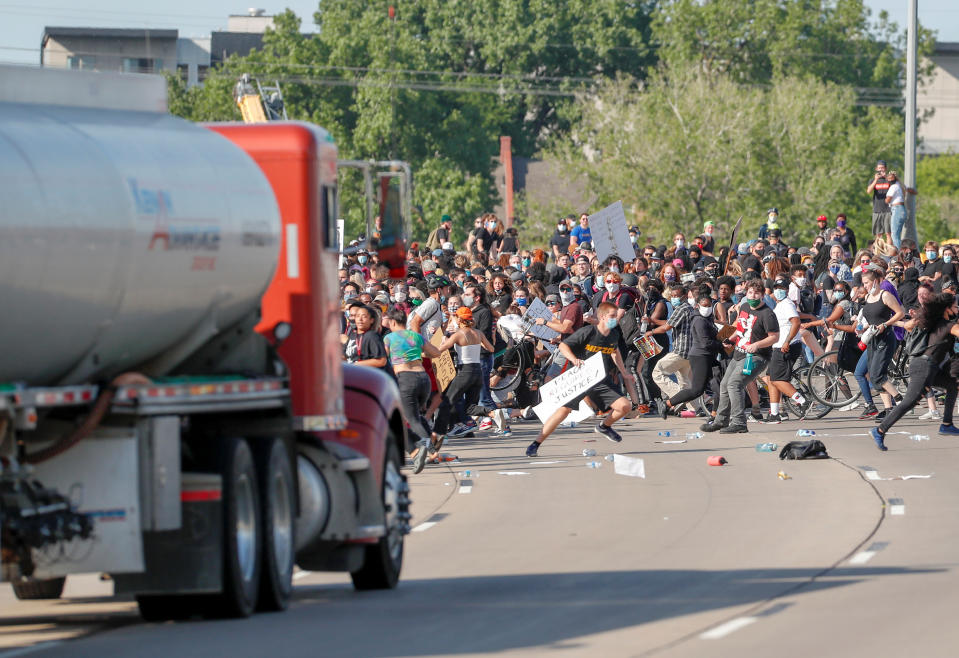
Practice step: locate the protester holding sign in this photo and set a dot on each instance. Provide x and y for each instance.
(606, 339)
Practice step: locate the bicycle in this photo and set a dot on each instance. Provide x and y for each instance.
(829, 383)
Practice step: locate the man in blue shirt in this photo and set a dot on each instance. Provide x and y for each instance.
(581, 233)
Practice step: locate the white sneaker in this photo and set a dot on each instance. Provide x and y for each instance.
(487, 424)
(499, 419)
(849, 407)
(932, 414)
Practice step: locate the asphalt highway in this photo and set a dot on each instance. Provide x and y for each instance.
(846, 557)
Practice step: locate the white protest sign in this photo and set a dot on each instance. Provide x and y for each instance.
(610, 233)
(571, 384)
(537, 309)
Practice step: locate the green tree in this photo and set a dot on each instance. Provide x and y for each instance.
(937, 206)
(694, 146)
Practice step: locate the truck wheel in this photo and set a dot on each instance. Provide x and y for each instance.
(383, 560)
(167, 607)
(242, 531)
(277, 498)
(35, 589)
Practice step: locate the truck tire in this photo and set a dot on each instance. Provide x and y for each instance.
(383, 560)
(36, 589)
(242, 531)
(169, 607)
(278, 502)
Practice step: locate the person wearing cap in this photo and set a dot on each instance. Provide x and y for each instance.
(709, 242)
(772, 221)
(785, 351)
(581, 232)
(559, 242)
(440, 234)
(603, 338)
(881, 216)
(776, 245)
(823, 223)
(467, 384)
(428, 316)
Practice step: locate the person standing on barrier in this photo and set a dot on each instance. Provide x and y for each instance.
(931, 352)
(603, 338)
(756, 331)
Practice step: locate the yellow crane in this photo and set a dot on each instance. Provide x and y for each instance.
(258, 104)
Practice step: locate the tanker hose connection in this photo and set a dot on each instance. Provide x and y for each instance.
(91, 422)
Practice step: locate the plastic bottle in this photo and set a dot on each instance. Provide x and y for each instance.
(589, 452)
(469, 474)
(593, 464)
(665, 433)
(748, 364)
(694, 435)
(610, 458)
(806, 433)
(766, 447)
(866, 337)
(919, 437)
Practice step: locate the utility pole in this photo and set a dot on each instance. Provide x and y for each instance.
(392, 14)
(909, 174)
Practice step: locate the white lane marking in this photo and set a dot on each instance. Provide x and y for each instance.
(40, 646)
(544, 463)
(897, 510)
(301, 574)
(873, 475)
(512, 473)
(730, 626)
(423, 527)
(466, 489)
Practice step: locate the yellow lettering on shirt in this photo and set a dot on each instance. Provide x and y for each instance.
(597, 348)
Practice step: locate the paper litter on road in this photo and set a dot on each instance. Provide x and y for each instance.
(680, 441)
(631, 466)
(913, 477)
(513, 473)
(544, 463)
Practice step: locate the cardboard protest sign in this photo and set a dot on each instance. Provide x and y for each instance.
(443, 367)
(610, 233)
(537, 309)
(569, 385)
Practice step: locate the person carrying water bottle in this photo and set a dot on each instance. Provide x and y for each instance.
(756, 331)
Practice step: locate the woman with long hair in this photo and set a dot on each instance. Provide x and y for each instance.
(929, 364)
(668, 274)
(499, 290)
(467, 384)
(880, 311)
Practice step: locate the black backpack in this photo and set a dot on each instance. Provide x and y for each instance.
(813, 449)
(807, 300)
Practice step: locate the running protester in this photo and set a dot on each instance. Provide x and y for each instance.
(879, 311)
(931, 363)
(786, 350)
(756, 331)
(704, 346)
(604, 338)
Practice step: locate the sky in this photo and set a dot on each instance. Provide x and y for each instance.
(22, 21)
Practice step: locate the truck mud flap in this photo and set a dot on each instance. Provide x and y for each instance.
(188, 560)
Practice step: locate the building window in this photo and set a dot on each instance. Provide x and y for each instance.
(81, 62)
(142, 65)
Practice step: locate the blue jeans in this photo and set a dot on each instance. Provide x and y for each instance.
(861, 369)
(898, 222)
(485, 399)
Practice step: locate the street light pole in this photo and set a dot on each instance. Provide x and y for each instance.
(909, 173)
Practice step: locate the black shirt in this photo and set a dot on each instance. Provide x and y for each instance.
(483, 322)
(587, 341)
(360, 347)
(753, 325)
(750, 262)
(481, 234)
(561, 240)
(879, 196)
(442, 234)
(509, 245)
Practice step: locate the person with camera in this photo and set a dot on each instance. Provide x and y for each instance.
(881, 216)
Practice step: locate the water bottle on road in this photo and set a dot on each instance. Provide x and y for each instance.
(806, 433)
(694, 435)
(593, 464)
(766, 447)
(919, 437)
(666, 433)
(589, 452)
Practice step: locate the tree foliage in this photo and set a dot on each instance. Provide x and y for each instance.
(695, 146)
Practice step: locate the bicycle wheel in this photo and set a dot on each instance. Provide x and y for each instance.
(899, 371)
(829, 384)
(510, 368)
(811, 409)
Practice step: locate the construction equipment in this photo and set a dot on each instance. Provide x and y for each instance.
(258, 103)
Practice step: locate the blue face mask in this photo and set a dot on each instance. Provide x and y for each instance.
(737, 298)
(526, 262)
(947, 258)
(611, 323)
(779, 294)
(834, 269)
(931, 255)
(363, 259)
(838, 295)
(520, 301)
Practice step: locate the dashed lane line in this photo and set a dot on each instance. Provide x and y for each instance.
(730, 626)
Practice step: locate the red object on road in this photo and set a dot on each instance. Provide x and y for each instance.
(716, 460)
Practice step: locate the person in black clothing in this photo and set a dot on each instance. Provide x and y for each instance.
(364, 345)
(846, 236)
(654, 314)
(909, 289)
(703, 348)
(930, 363)
(559, 243)
(510, 243)
(483, 323)
(753, 260)
(606, 339)
(443, 232)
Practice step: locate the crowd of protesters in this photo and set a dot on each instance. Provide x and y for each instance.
(689, 328)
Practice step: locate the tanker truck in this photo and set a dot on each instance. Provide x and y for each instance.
(174, 412)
